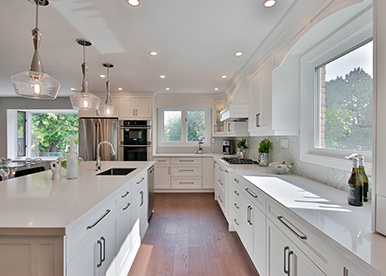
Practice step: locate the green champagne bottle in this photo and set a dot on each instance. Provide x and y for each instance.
(355, 185)
(365, 180)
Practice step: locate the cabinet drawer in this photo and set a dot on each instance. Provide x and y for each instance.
(186, 161)
(221, 199)
(236, 220)
(140, 179)
(221, 184)
(187, 170)
(124, 193)
(87, 226)
(186, 183)
(161, 161)
(251, 191)
(301, 236)
(236, 205)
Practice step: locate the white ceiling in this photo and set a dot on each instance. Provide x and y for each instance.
(196, 42)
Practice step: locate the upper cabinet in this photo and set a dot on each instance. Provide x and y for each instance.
(135, 107)
(274, 99)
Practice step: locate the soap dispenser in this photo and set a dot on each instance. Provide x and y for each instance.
(355, 184)
(72, 161)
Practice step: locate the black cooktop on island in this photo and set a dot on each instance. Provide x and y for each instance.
(235, 160)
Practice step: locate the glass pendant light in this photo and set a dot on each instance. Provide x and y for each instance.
(35, 84)
(108, 109)
(84, 100)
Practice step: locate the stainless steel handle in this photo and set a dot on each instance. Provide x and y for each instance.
(138, 182)
(127, 206)
(229, 127)
(100, 253)
(186, 170)
(219, 181)
(161, 160)
(102, 217)
(133, 112)
(285, 258)
(186, 182)
(226, 171)
(258, 120)
(186, 160)
(220, 169)
(236, 193)
(291, 227)
(345, 271)
(249, 215)
(235, 204)
(136, 112)
(141, 193)
(214, 128)
(220, 198)
(126, 194)
(251, 193)
(289, 262)
(104, 249)
(236, 180)
(235, 220)
(168, 170)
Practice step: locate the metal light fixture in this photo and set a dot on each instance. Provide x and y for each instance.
(108, 109)
(84, 100)
(269, 3)
(35, 84)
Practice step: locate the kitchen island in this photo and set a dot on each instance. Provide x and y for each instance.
(91, 225)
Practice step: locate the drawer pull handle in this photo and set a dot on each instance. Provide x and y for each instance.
(235, 220)
(251, 193)
(127, 206)
(161, 160)
(138, 182)
(220, 169)
(100, 253)
(186, 160)
(219, 181)
(285, 258)
(186, 170)
(226, 171)
(289, 224)
(99, 220)
(236, 180)
(186, 182)
(220, 199)
(126, 194)
(236, 193)
(235, 204)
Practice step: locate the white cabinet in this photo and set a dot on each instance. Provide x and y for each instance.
(274, 108)
(346, 268)
(221, 194)
(226, 129)
(140, 192)
(135, 107)
(161, 173)
(207, 173)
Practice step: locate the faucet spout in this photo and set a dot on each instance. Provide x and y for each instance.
(98, 160)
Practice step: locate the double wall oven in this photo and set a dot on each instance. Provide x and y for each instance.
(135, 140)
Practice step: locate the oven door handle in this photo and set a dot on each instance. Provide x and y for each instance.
(135, 146)
(135, 127)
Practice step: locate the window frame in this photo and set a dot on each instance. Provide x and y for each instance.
(184, 110)
(344, 39)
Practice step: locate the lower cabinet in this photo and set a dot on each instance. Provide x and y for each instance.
(140, 191)
(285, 258)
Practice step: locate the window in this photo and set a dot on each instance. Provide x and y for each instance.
(344, 101)
(182, 125)
(40, 133)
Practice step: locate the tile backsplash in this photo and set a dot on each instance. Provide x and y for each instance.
(330, 176)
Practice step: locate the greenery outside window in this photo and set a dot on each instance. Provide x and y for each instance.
(182, 125)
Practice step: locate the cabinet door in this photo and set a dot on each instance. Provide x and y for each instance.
(259, 240)
(278, 248)
(255, 100)
(229, 128)
(208, 173)
(107, 238)
(248, 225)
(127, 108)
(162, 177)
(124, 224)
(144, 108)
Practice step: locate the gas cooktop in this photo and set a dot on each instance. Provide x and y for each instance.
(235, 160)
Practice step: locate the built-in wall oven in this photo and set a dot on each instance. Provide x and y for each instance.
(135, 140)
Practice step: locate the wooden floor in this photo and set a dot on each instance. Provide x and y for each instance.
(188, 235)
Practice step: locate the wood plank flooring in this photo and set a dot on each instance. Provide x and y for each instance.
(188, 235)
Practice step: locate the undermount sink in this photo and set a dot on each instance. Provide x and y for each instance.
(117, 171)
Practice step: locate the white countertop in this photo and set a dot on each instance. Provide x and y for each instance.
(37, 205)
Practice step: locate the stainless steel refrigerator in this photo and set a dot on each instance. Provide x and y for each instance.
(95, 130)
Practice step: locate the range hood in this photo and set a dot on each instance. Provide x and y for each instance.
(238, 109)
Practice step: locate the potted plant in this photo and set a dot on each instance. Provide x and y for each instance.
(265, 146)
(241, 147)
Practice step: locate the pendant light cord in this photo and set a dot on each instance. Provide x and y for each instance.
(84, 53)
(37, 13)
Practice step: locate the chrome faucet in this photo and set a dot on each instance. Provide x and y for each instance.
(98, 161)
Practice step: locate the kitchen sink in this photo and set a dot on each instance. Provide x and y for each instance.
(117, 171)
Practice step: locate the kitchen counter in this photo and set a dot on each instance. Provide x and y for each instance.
(37, 205)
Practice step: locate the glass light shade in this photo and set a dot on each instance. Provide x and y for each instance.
(269, 3)
(84, 101)
(35, 85)
(108, 110)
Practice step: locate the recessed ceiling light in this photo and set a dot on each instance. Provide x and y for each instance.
(133, 3)
(102, 76)
(167, 88)
(120, 88)
(216, 89)
(238, 54)
(162, 76)
(72, 89)
(153, 53)
(224, 76)
(269, 3)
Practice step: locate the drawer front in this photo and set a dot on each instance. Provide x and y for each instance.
(236, 220)
(221, 184)
(187, 170)
(303, 238)
(221, 199)
(186, 183)
(236, 205)
(251, 191)
(186, 161)
(140, 179)
(124, 193)
(161, 161)
(90, 224)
